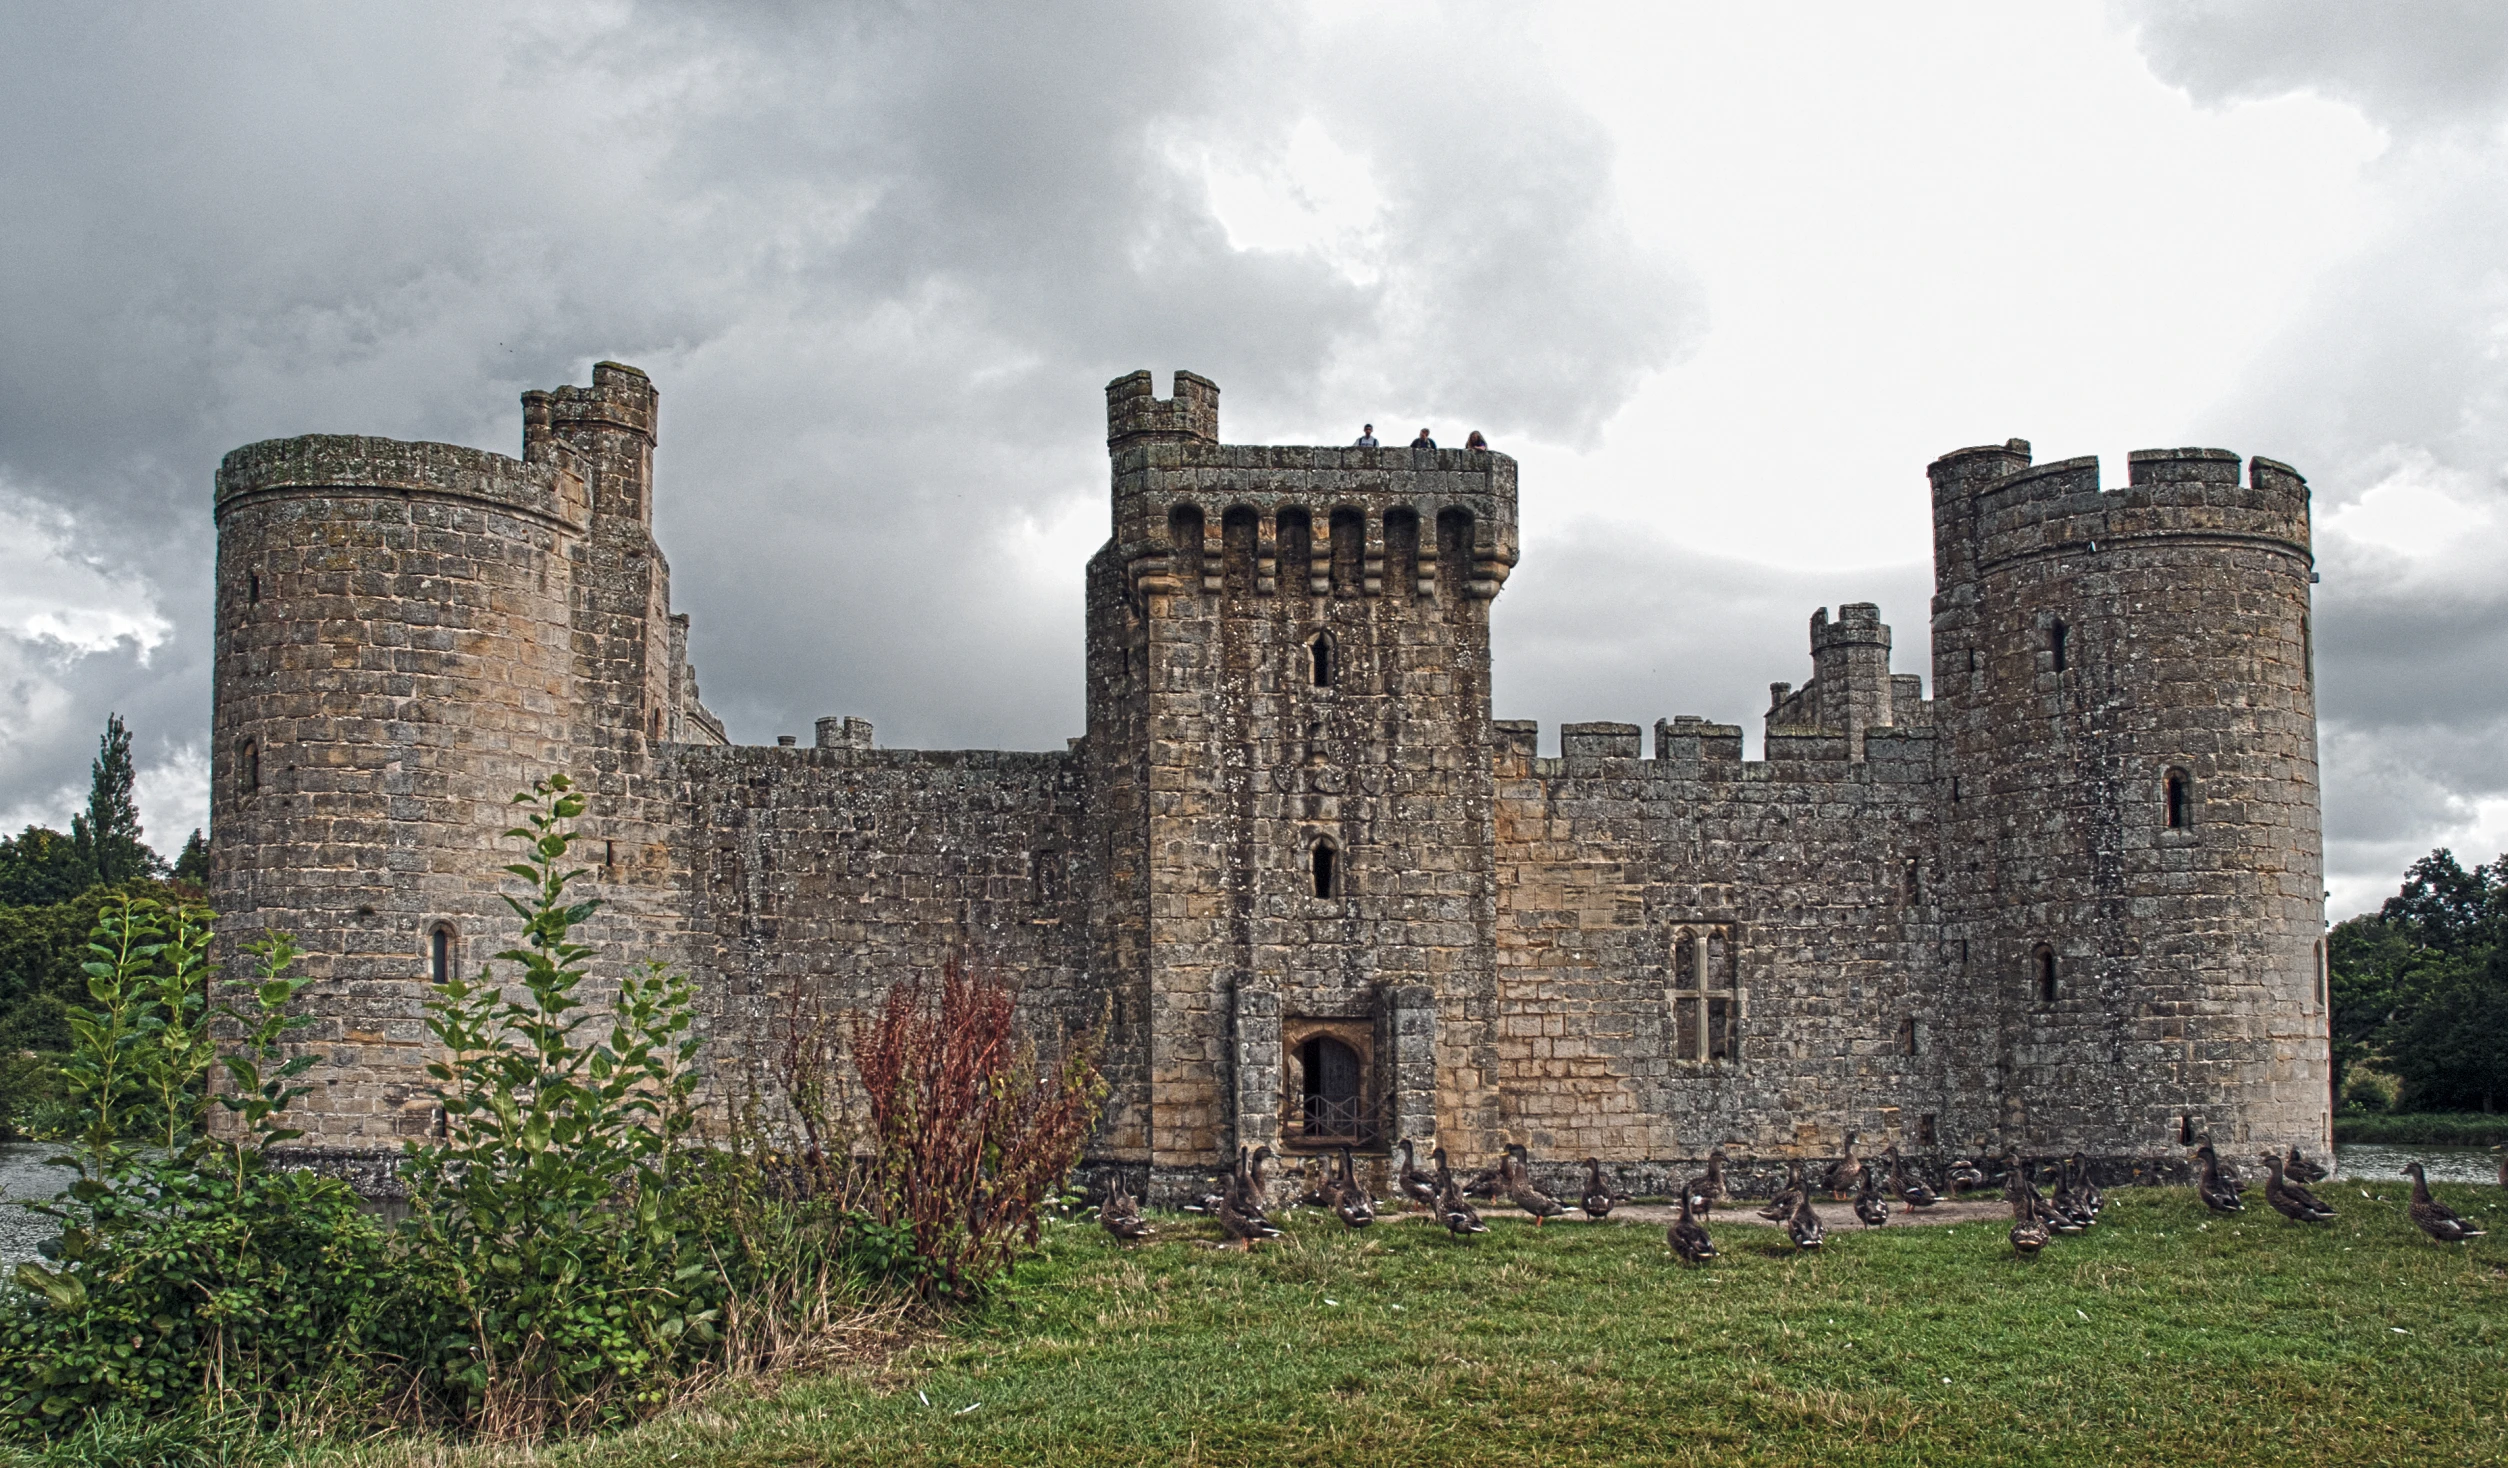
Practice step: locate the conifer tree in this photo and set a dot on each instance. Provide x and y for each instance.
(108, 835)
(193, 865)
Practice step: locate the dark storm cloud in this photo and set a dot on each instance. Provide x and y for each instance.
(2390, 375)
(879, 261)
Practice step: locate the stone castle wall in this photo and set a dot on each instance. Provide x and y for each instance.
(1293, 823)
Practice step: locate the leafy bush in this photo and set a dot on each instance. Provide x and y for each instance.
(563, 1279)
(187, 1274)
(970, 1132)
(572, 1257)
(2422, 1128)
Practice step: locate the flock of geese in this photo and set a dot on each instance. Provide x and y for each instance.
(2070, 1205)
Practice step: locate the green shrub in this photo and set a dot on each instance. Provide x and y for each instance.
(188, 1275)
(2365, 1089)
(562, 1276)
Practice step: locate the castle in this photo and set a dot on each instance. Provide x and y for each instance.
(2072, 901)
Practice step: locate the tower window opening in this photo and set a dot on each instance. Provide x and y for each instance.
(2056, 638)
(2044, 962)
(249, 760)
(1955, 789)
(1349, 552)
(252, 587)
(2307, 654)
(1319, 660)
(440, 954)
(2180, 805)
(1326, 866)
(2185, 1129)
(2320, 973)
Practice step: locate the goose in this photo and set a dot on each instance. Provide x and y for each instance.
(1915, 1194)
(2437, 1220)
(1598, 1200)
(1781, 1207)
(2299, 1169)
(1521, 1192)
(1352, 1202)
(2029, 1233)
(1453, 1209)
(1846, 1174)
(2218, 1190)
(1804, 1227)
(2289, 1199)
(1870, 1206)
(1120, 1214)
(1411, 1183)
(1688, 1237)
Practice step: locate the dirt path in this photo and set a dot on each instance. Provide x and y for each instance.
(1836, 1217)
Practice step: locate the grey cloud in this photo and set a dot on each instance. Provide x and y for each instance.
(879, 261)
(2393, 357)
(2418, 63)
(1608, 621)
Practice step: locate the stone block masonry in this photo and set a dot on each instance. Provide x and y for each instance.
(1314, 893)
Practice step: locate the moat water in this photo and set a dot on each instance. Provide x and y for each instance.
(26, 1174)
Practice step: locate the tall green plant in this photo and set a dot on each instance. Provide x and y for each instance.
(564, 1284)
(187, 1272)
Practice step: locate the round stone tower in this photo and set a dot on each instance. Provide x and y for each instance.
(394, 660)
(2134, 905)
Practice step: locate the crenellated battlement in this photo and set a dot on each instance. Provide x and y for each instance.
(620, 398)
(1136, 414)
(2182, 494)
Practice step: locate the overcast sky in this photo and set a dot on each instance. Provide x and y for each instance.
(1723, 277)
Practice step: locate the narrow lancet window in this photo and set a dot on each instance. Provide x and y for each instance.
(1320, 659)
(2056, 638)
(2044, 962)
(1326, 861)
(2180, 803)
(440, 954)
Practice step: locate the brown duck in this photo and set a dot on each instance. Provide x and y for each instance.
(2289, 1199)
(2436, 1219)
(2029, 1232)
(2218, 1190)
(1520, 1189)
(1453, 1209)
(1915, 1194)
(1355, 1206)
(1781, 1207)
(1708, 1186)
(1599, 1200)
(1870, 1207)
(1687, 1236)
(1120, 1214)
(1414, 1185)
(2299, 1169)
(1804, 1227)
(1846, 1175)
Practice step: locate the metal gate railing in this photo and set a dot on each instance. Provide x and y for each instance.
(1348, 1121)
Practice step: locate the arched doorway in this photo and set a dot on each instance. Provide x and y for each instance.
(1332, 1108)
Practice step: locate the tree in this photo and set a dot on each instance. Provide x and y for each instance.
(2445, 907)
(40, 867)
(193, 865)
(109, 833)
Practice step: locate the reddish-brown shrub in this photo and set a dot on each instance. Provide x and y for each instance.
(971, 1129)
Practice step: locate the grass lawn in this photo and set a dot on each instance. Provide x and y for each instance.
(2164, 1335)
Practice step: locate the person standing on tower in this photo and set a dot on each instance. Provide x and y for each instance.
(1367, 436)
(1423, 441)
